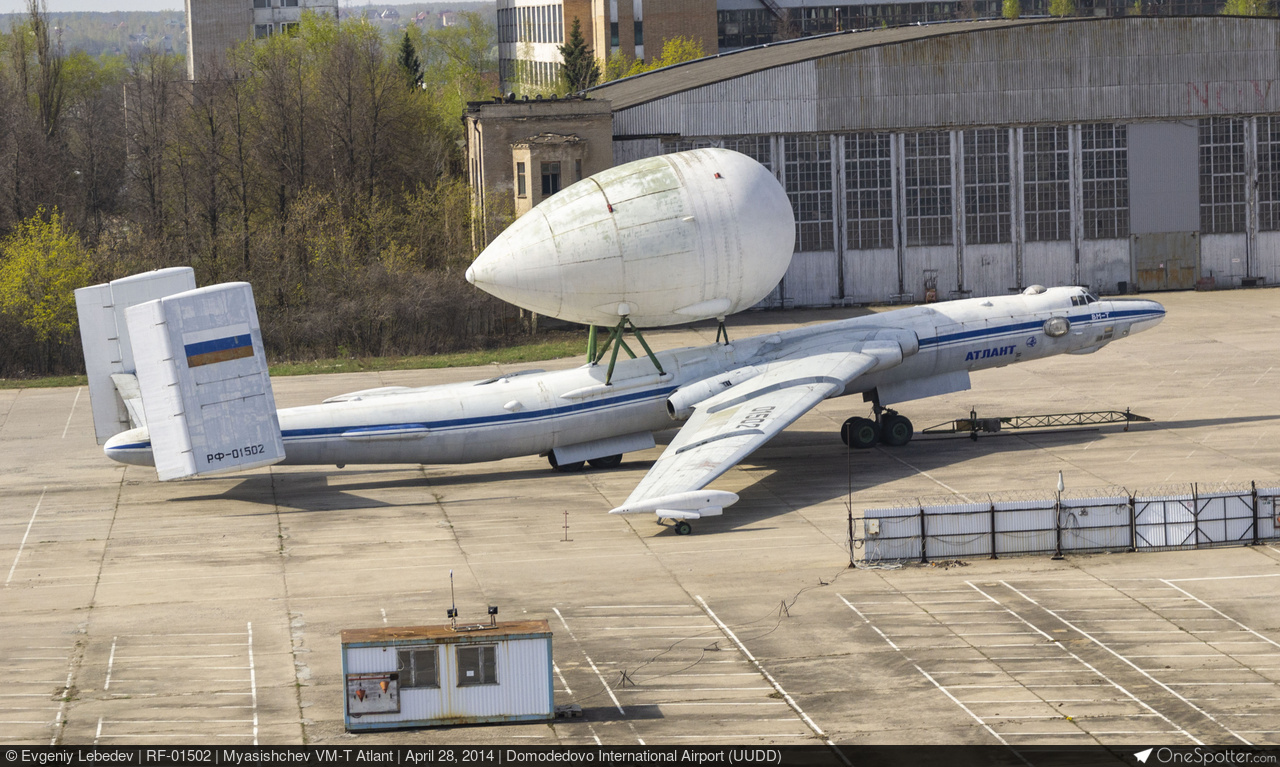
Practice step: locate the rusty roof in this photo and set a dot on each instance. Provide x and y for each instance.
(445, 634)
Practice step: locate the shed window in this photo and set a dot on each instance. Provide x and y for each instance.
(417, 667)
(927, 178)
(1222, 204)
(1104, 166)
(1046, 185)
(477, 665)
(550, 178)
(868, 178)
(1269, 173)
(986, 185)
(808, 175)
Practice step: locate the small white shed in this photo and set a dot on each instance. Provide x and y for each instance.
(425, 676)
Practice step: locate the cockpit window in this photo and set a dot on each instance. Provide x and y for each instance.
(1090, 298)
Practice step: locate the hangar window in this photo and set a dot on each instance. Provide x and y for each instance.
(808, 182)
(1046, 185)
(685, 144)
(758, 148)
(1269, 173)
(927, 182)
(1104, 161)
(1222, 203)
(868, 178)
(987, 204)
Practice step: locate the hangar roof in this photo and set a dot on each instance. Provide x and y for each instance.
(638, 89)
(963, 74)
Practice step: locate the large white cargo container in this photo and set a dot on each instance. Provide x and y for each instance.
(425, 676)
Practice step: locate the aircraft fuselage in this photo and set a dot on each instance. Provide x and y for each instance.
(534, 413)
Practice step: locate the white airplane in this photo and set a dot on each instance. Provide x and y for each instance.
(178, 380)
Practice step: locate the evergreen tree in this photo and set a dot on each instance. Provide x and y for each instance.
(580, 70)
(1248, 8)
(408, 59)
(1062, 8)
(1012, 9)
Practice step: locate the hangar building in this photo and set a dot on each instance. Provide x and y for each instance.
(980, 157)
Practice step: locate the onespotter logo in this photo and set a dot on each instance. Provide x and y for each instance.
(1202, 756)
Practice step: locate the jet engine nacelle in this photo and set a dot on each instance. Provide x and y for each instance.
(680, 403)
(663, 240)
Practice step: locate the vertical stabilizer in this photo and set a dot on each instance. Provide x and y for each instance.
(203, 377)
(105, 338)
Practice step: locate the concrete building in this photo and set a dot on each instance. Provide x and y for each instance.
(530, 33)
(978, 158)
(522, 151)
(214, 26)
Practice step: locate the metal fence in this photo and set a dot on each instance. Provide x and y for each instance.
(1095, 523)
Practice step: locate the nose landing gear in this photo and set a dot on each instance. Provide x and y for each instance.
(888, 427)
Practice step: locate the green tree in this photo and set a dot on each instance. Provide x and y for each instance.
(41, 264)
(1248, 8)
(1062, 8)
(1012, 9)
(675, 50)
(408, 59)
(580, 70)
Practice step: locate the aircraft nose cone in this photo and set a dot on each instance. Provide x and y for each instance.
(1147, 314)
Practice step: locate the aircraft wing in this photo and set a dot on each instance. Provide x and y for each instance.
(728, 427)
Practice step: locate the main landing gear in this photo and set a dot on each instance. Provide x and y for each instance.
(888, 427)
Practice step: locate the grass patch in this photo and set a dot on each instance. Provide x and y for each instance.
(567, 346)
(554, 345)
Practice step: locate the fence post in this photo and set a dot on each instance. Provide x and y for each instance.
(924, 557)
(993, 528)
(1253, 489)
(1195, 511)
(1057, 527)
(1133, 523)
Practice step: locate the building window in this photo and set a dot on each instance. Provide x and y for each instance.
(417, 667)
(671, 146)
(927, 182)
(289, 28)
(577, 170)
(477, 665)
(1104, 167)
(521, 188)
(868, 178)
(261, 30)
(1269, 173)
(288, 3)
(261, 3)
(550, 178)
(987, 204)
(758, 148)
(1046, 183)
(639, 32)
(1222, 204)
(808, 168)
(613, 34)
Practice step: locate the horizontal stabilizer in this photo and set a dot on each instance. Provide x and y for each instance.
(203, 376)
(693, 501)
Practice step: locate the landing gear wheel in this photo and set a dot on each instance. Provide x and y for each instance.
(571, 466)
(860, 433)
(896, 430)
(608, 462)
(683, 528)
